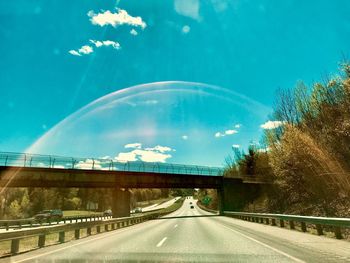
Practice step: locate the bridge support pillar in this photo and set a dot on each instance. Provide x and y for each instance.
(121, 202)
(235, 195)
(220, 195)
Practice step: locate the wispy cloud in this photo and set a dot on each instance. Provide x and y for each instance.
(271, 125)
(159, 148)
(133, 32)
(106, 43)
(219, 134)
(151, 154)
(184, 137)
(133, 145)
(227, 132)
(121, 17)
(74, 53)
(104, 18)
(230, 132)
(236, 146)
(86, 49)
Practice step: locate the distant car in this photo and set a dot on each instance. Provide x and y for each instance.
(108, 212)
(192, 206)
(138, 210)
(45, 215)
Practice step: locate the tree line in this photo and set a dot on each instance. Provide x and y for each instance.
(26, 202)
(307, 155)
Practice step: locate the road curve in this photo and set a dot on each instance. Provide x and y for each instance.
(194, 235)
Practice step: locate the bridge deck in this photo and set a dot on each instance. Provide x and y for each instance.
(30, 170)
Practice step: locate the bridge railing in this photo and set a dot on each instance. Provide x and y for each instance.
(333, 224)
(107, 164)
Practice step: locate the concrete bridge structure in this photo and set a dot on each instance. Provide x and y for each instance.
(28, 170)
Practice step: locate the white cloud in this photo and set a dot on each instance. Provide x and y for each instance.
(126, 157)
(159, 148)
(189, 8)
(184, 137)
(237, 126)
(230, 132)
(219, 134)
(74, 53)
(225, 133)
(121, 17)
(133, 32)
(85, 50)
(271, 125)
(186, 29)
(236, 146)
(106, 43)
(133, 145)
(152, 154)
(89, 164)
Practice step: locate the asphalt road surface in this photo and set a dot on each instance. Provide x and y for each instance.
(193, 235)
(160, 206)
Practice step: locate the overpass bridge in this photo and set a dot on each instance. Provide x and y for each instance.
(31, 170)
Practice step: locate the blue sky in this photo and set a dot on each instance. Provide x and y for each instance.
(249, 47)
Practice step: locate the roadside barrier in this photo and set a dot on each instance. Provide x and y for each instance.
(39, 237)
(32, 222)
(336, 225)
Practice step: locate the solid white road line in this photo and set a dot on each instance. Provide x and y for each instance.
(265, 245)
(161, 242)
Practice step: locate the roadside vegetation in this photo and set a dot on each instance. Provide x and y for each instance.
(18, 203)
(307, 154)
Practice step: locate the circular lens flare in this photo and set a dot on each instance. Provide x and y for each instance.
(177, 122)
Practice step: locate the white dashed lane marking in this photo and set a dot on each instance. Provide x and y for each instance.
(161, 242)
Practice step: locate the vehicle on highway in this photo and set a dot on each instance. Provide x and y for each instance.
(108, 212)
(138, 210)
(54, 214)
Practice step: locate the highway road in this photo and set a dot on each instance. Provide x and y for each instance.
(145, 209)
(160, 206)
(193, 235)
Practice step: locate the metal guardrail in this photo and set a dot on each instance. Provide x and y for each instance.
(61, 162)
(32, 222)
(15, 237)
(335, 224)
(199, 204)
